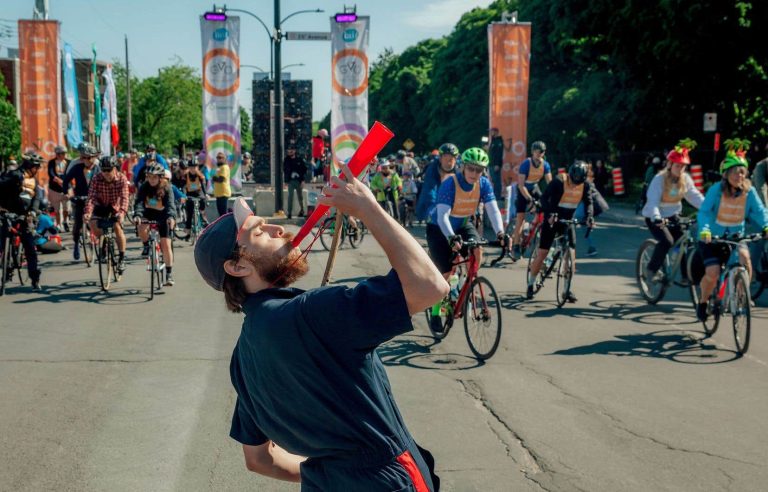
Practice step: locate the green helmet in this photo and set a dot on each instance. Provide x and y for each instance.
(476, 156)
(736, 154)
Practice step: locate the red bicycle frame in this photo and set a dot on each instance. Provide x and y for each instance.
(537, 221)
(472, 268)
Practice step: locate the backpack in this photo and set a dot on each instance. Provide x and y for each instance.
(10, 191)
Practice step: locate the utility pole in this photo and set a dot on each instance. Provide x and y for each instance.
(128, 94)
(278, 123)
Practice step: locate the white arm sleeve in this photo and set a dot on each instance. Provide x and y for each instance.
(494, 215)
(443, 211)
(693, 195)
(651, 208)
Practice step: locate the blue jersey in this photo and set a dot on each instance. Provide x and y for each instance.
(447, 193)
(528, 170)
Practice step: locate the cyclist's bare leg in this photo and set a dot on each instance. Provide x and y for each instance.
(519, 221)
(165, 247)
(538, 261)
(95, 229)
(709, 281)
(144, 232)
(120, 235)
(745, 261)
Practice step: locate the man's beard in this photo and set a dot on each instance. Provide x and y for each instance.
(280, 269)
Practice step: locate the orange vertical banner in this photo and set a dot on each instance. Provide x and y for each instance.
(509, 50)
(40, 67)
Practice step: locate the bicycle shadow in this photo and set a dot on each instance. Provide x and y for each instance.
(683, 348)
(415, 351)
(83, 291)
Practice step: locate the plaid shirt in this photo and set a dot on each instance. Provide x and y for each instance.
(104, 194)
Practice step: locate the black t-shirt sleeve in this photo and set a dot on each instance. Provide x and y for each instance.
(362, 317)
(244, 429)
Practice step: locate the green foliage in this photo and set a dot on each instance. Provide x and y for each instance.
(10, 127)
(605, 77)
(246, 135)
(166, 110)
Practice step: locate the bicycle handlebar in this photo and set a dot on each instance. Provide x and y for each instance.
(737, 238)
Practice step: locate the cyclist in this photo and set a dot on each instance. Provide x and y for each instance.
(81, 173)
(154, 201)
(531, 171)
(559, 201)
(387, 186)
(410, 190)
(108, 198)
(724, 210)
(20, 199)
(664, 204)
(194, 187)
(150, 157)
(443, 165)
(450, 223)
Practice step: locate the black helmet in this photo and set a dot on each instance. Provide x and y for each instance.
(449, 148)
(578, 172)
(31, 160)
(107, 162)
(538, 145)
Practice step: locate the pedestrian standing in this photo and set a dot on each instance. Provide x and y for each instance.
(295, 172)
(760, 180)
(496, 149)
(314, 403)
(57, 168)
(221, 188)
(601, 176)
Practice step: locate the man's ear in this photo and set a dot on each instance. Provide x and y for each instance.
(238, 268)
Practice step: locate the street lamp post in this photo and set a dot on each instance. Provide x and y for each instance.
(276, 38)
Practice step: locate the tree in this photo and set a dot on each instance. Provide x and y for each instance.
(10, 127)
(246, 133)
(166, 108)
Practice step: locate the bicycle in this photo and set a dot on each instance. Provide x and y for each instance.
(559, 256)
(197, 222)
(354, 234)
(731, 294)
(86, 239)
(406, 211)
(155, 261)
(105, 253)
(11, 250)
(476, 302)
(529, 239)
(684, 251)
(759, 273)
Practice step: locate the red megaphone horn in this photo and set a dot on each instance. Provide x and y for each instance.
(377, 138)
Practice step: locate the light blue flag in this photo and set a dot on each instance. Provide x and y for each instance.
(75, 128)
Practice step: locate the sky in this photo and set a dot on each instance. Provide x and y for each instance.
(160, 30)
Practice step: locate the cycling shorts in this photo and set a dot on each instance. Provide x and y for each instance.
(161, 219)
(548, 233)
(439, 249)
(716, 253)
(521, 204)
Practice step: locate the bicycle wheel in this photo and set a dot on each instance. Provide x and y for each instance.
(356, 235)
(152, 269)
(482, 318)
(18, 262)
(116, 275)
(5, 264)
(534, 248)
(105, 265)
(86, 245)
(326, 237)
(714, 310)
(197, 226)
(740, 311)
(653, 292)
(446, 320)
(564, 277)
(693, 288)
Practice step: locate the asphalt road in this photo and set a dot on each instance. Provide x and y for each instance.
(113, 392)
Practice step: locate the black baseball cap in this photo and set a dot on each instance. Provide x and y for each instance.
(217, 242)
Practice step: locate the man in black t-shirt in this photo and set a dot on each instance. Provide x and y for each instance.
(314, 404)
(295, 171)
(57, 169)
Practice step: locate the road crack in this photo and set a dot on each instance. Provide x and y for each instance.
(529, 463)
(621, 425)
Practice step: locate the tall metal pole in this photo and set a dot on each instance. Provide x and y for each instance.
(128, 94)
(278, 113)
